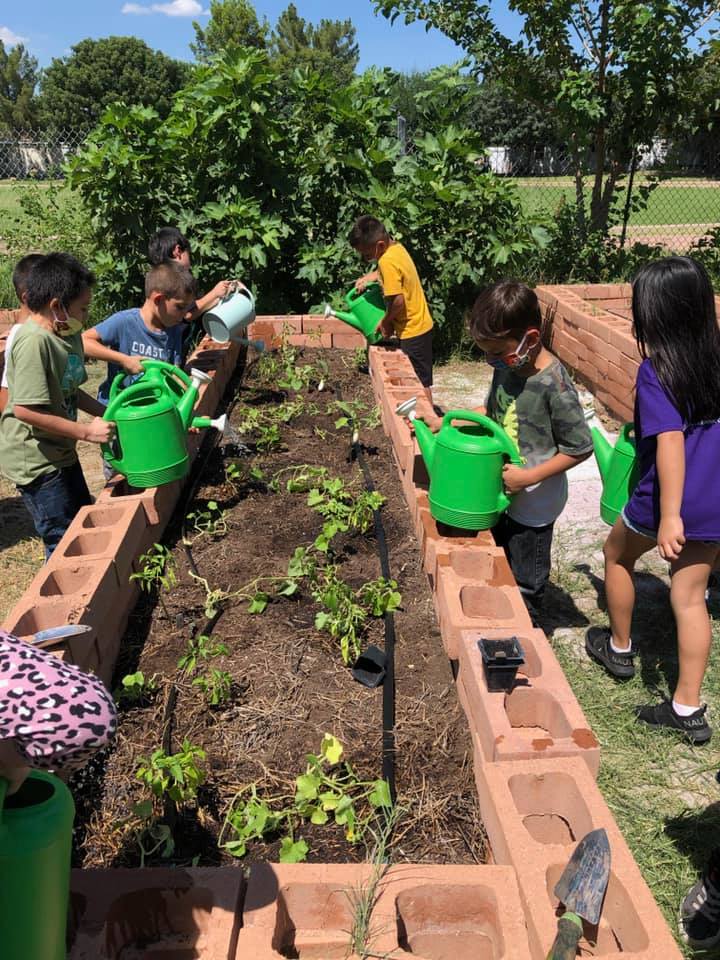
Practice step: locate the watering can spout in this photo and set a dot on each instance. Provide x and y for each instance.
(343, 315)
(603, 452)
(186, 403)
(426, 441)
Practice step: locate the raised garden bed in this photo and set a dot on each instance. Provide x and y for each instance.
(288, 683)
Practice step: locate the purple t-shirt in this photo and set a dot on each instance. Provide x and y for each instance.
(655, 413)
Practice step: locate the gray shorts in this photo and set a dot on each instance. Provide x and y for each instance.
(652, 534)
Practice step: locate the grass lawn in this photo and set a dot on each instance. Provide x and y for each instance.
(673, 202)
(661, 790)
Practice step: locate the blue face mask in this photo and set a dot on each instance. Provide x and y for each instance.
(513, 360)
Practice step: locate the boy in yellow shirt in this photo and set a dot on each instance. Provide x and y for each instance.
(406, 311)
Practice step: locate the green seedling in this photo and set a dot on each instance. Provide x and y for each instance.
(340, 615)
(380, 596)
(327, 792)
(150, 834)
(354, 415)
(199, 650)
(157, 571)
(135, 687)
(216, 686)
(234, 475)
(212, 520)
(176, 776)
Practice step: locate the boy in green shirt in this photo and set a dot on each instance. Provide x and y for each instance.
(39, 429)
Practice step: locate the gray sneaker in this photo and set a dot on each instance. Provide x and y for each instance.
(597, 645)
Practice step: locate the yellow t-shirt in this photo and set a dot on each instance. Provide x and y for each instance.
(398, 274)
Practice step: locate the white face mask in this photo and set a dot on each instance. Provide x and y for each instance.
(68, 326)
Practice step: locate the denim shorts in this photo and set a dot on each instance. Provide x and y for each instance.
(652, 534)
(53, 499)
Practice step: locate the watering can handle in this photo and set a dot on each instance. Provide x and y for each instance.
(493, 428)
(161, 365)
(354, 293)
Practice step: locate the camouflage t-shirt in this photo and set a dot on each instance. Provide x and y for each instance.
(542, 414)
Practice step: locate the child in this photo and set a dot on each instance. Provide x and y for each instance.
(19, 279)
(533, 398)
(407, 315)
(168, 245)
(39, 429)
(151, 332)
(677, 432)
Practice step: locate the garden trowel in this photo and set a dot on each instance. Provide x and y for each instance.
(581, 889)
(55, 635)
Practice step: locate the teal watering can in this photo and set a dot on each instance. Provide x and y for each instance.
(35, 847)
(619, 471)
(152, 417)
(229, 318)
(465, 465)
(366, 311)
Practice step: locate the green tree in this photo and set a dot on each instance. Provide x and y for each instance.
(76, 90)
(329, 47)
(612, 71)
(233, 23)
(265, 173)
(18, 79)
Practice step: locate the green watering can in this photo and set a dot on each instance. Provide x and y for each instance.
(465, 465)
(35, 846)
(153, 416)
(619, 468)
(366, 311)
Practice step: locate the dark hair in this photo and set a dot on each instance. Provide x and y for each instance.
(367, 230)
(171, 279)
(162, 244)
(22, 271)
(57, 275)
(505, 309)
(674, 323)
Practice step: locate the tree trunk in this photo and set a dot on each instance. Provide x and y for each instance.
(597, 221)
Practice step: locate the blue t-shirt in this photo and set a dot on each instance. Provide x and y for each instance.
(656, 413)
(127, 333)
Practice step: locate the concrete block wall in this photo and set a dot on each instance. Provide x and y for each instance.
(7, 319)
(535, 756)
(87, 579)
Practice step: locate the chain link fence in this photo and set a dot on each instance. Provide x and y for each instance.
(37, 155)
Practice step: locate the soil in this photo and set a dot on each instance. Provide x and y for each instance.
(290, 685)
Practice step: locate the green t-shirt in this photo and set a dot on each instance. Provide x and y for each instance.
(44, 370)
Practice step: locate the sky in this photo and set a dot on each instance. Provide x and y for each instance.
(49, 28)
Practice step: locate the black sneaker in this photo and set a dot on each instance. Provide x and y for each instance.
(597, 644)
(700, 910)
(695, 727)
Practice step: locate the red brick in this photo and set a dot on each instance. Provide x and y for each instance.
(348, 341)
(535, 812)
(323, 340)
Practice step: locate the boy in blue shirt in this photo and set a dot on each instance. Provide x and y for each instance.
(151, 332)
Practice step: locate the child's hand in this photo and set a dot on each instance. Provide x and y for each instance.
(670, 537)
(100, 431)
(363, 281)
(516, 478)
(221, 289)
(133, 366)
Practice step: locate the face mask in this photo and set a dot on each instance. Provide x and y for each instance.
(68, 326)
(513, 360)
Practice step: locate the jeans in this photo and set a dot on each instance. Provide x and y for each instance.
(528, 552)
(53, 499)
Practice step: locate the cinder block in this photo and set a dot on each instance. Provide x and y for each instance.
(464, 604)
(104, 530)
(180, 912)
(322, 340)
(540, 716)
(307, 909)
(348, 341)
(535, 813)
(33, 614)
(318, 324)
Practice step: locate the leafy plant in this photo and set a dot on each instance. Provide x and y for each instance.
(328, 790)
(135, 687)
(380, 596)
(157, 570)
(212, 520)
(215, 685)
(200, 649)
(340, 615)
(341, 509)
(176, 776)
(151, 835)
(354, 414)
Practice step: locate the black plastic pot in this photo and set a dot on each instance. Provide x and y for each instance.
(501, 659)
(369, 668)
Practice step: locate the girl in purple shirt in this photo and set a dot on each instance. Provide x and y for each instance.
(676, 503)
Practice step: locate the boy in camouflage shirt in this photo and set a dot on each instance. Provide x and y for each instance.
(534, 400)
